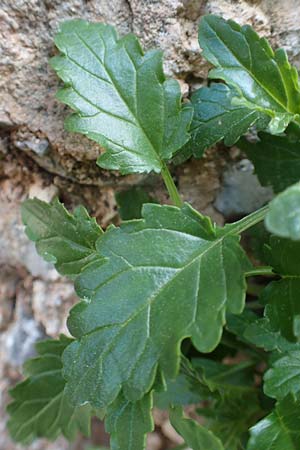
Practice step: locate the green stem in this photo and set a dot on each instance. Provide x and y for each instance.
(170, 185)
(262, 270)
(250, 220)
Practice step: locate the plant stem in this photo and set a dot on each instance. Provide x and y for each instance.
(170, 185)
(250, 220)
(261, 270)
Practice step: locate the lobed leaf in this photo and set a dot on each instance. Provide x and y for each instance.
(40, 407)
(264, 79)
(283, 377)
(121, 97)
(67, 240)
(166, 277)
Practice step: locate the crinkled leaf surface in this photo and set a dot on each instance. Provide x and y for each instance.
(160, 279)
(283, 217)
(216, 118)
(128, 422)
(196, 436)
(40, 407)
(276, 160)
(265, 80)
(280, 430)
(121, 97)
(284, 377)
(67, 240)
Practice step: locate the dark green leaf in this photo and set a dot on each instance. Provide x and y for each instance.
(276, 160)
(121, 97)
(283, 217)
(67, 240)
(130, 203)
(166, 277)
(265, 80)
(284, 377)
(262, 334)
(196, 436)
(216, 118)
(280, 430)
(40, 407)
(129, 422)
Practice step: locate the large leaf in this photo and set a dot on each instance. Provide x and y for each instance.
(280, 430)
(283, 217)
(216, 118)
(265, 80)
(129, 422)
(196, 436)
(121, 97)
(67, 240)
(284, 376)
(276, 160)
(163, 278)
(40, 407)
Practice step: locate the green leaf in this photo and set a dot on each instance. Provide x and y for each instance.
(40, 407)
(196, 436)
(128, 422)
(276, 160)
(284, 377)
(280, 430)
(166, 277)
(121, 97)
(130, 203)
(283, 217)
(216, 118)
(282, 297)
(262, 334)
(265, 80)
(67, 240)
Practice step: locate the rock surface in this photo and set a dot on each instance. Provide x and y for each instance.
(38, 158)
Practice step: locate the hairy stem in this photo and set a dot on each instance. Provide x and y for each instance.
(170, 185)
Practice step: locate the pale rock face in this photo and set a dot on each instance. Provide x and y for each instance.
(38, 158)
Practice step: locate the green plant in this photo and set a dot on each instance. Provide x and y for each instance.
(173, 275)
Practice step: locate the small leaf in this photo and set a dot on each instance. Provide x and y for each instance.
(67, 240)
(40, 407)
(196, 436)
(128, 422)
(283, 217)
(130, 203)
(280, 430)
(284, 377)
(276, 160)
(166, 277)
(216, 118)
(121, 97)
(265, 80)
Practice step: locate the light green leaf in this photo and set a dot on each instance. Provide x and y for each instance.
(283, 217)
(216, 118)
(276, 160)
(40, 407)
(166, 277)
(284, 377)
(67, 240)
(121, 97)
(196, 436)
(280, 430)
(265, 80)
(128, 422)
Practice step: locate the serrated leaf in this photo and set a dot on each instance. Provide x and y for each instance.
(283, 377)
(166, 277)
(196, 436)
(67, 240)
(283, 217)
(121, 97)
(279, 430)
(216, 118)
(128, 422)
(40, 407)
(130, 202)
(265, 80)
(276, 160)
